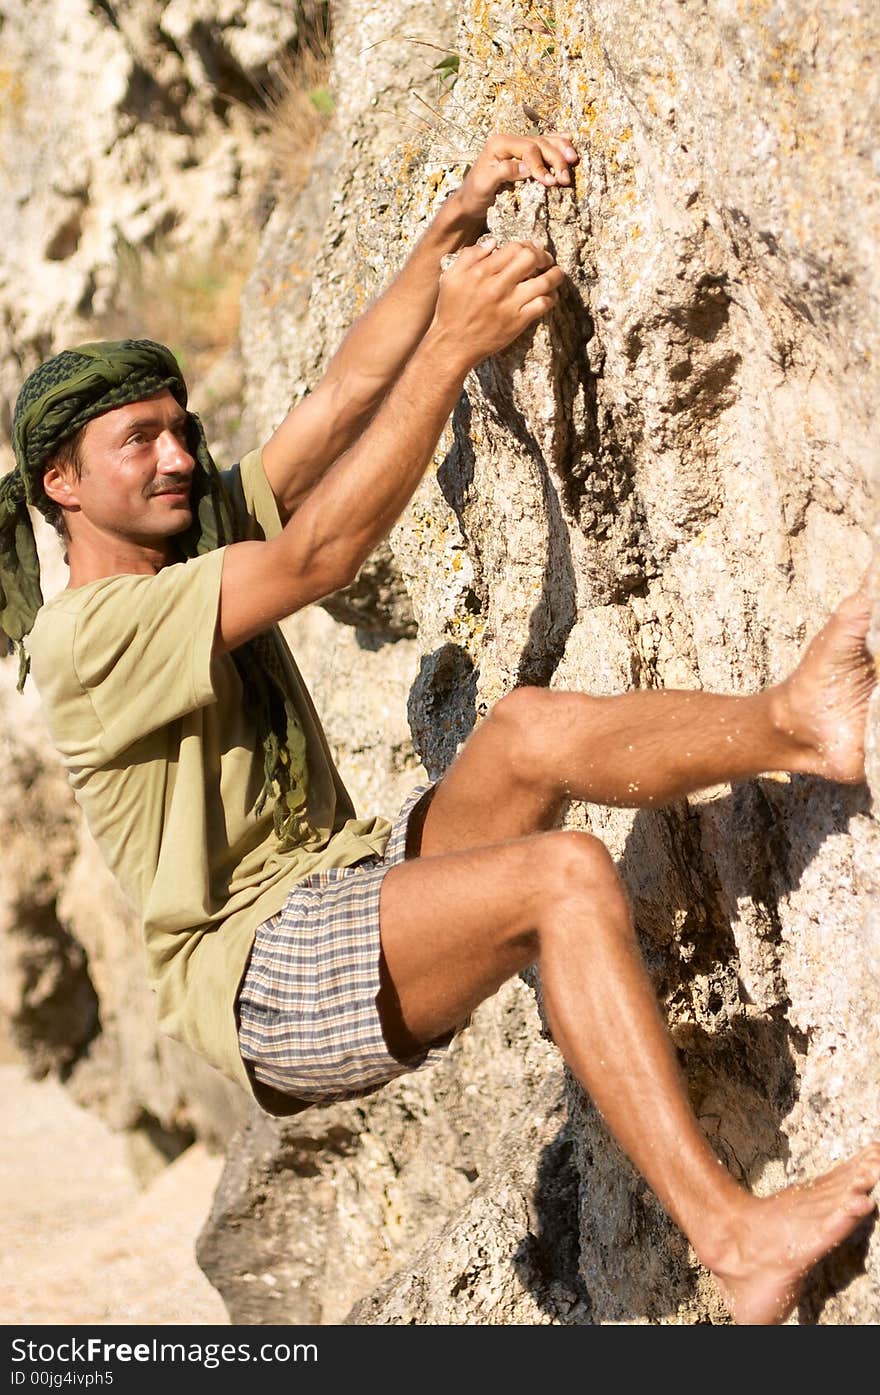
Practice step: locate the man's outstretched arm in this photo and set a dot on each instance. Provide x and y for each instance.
(487, 298)
(371, 357)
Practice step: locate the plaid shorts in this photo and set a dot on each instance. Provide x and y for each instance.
(308, 1022)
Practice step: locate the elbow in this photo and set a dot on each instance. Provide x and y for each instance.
(341, 577)
(332, 569)
(348, 578)
(337, 559)
(356, 397)
(320, 555)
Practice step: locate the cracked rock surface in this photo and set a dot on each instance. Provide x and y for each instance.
(668, 483)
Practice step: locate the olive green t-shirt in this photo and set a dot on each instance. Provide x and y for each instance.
(165, 763)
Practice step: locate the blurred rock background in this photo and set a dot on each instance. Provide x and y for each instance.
(669, 483)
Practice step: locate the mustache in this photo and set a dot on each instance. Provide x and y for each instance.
(170, 484)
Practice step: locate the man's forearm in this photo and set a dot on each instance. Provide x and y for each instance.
(349, 510)
(485, 301)
(371, 357)
(375, 349)
(360, 497)
(365, 367)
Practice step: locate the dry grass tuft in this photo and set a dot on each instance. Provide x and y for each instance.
(298, 103)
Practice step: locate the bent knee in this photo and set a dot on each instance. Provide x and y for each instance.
(522, 709)
(584, 899)
(518, 721)
(577, 866)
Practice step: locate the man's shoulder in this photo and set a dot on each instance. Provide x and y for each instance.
(252, 498)
(95, 623)
(52, 640)
(58, 615)
(70, 605)
(74, 599)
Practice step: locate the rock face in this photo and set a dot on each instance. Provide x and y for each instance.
(312, 1213)
(667, 484)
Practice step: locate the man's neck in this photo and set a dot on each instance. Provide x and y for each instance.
(117, 557)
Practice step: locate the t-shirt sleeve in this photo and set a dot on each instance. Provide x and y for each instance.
(252, 499)
(143, 645)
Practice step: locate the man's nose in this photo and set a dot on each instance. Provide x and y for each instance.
(173, 454)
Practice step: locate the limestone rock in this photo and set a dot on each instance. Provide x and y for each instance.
(669, 483)
(229, 44)
(508, 1254)
(312, 1212)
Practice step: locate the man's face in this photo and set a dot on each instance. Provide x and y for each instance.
(136, 473)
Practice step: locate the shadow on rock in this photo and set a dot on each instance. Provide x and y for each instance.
(835, 1272)
(442, 706)
(547, 1260)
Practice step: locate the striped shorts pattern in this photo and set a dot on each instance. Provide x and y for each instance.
(308, 1022)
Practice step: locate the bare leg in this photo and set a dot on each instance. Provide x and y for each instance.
(643, 749)
(455, 925)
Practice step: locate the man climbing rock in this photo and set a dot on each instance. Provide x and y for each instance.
(309, 953)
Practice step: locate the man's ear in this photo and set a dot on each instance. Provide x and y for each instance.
(61, 487)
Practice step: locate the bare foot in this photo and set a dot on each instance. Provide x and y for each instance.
(781, 1237)
(823, 704)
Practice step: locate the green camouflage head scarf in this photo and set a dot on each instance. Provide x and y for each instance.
(56, 400)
